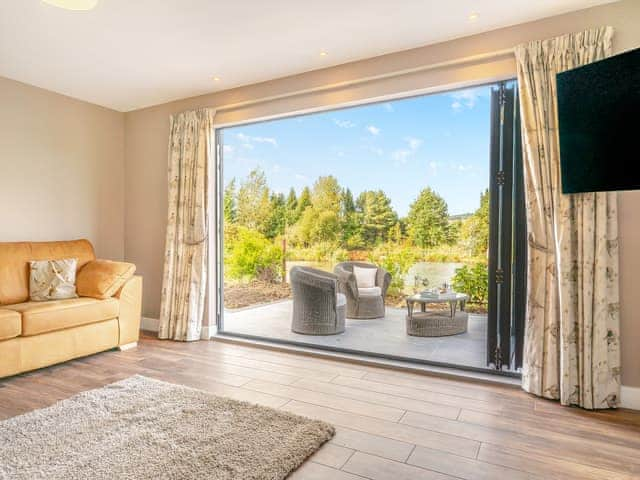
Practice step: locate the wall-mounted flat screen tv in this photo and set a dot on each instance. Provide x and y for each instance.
(599, 125)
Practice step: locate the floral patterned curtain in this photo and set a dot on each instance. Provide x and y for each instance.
(191, 147)
(571, 348)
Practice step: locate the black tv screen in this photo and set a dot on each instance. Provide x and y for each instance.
(599, 120)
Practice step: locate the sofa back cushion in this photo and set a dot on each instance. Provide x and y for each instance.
(103, 278)
(15, 258)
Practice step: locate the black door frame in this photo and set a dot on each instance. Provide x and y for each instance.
(507, 235)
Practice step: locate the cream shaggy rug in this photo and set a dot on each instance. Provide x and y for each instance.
(142, 428)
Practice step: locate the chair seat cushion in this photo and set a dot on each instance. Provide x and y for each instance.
(370, 292)
(41, 317)
(10, 324)
(341, 300)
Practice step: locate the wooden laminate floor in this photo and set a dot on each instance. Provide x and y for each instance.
(390, 424)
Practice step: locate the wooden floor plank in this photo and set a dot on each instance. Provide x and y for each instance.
(465, 468)
(326, 400)
(430, 408)
(332, 455)
(374, 444)
(401, 432)
(376, 468)
(553, 468)
(417, 394)
(613, 457)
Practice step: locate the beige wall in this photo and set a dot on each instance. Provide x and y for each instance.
(147, 134)
(61, 169)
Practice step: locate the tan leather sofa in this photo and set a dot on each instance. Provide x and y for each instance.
(37, 334)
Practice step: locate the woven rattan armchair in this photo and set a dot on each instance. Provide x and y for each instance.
(360, 304)
(318, 307)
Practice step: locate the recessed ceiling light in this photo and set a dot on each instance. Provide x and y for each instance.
(323, 54)
(73, 4)
(473, 16)
(216, 79)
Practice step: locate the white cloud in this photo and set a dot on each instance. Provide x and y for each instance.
(388, 107)
(270, 140)
(228, 150)
(344, 123)
(460, 167)
(467, 98)
(302, 178)
(248, 141)
(401, 155)
(373, 130)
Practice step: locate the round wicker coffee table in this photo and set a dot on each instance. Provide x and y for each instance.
(436, 322)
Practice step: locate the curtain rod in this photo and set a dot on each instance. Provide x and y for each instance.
(398, 73)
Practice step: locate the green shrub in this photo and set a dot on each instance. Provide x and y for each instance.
(250, 255)
(474, 281)
(397, 260)
(322, 252)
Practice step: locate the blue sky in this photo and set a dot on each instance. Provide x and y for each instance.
(401, 146)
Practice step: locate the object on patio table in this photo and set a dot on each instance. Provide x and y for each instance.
(363, 303)
(431, 322)
(318, 307)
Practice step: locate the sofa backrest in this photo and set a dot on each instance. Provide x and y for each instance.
(14, 263)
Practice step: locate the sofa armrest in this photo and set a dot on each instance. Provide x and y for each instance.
(130, 297)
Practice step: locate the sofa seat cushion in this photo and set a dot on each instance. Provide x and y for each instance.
(370, 292)
(10, 324)
(41, 317)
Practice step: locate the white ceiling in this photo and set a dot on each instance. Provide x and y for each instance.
(128, 54)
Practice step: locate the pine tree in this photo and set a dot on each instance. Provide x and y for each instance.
(428, 219)
(377, 216)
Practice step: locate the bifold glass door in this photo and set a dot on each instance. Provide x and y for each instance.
(427, 190)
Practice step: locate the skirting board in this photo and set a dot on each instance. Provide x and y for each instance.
(630, 397)
(151, 325)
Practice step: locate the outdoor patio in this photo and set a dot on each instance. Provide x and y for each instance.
(382, 336)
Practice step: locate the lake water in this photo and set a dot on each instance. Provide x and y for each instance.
(436, 273)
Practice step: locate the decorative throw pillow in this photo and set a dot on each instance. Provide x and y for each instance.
(365, 277)
(103, 278)
(52, 279)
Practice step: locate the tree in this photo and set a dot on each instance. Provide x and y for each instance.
(326, 194)
(277, 217)
(428, 219)
(320, 221)
(474, 231)
(351, 224)
(229, 202)
(253, 205)
(377, 216)
(291, 207)
(304, 201)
